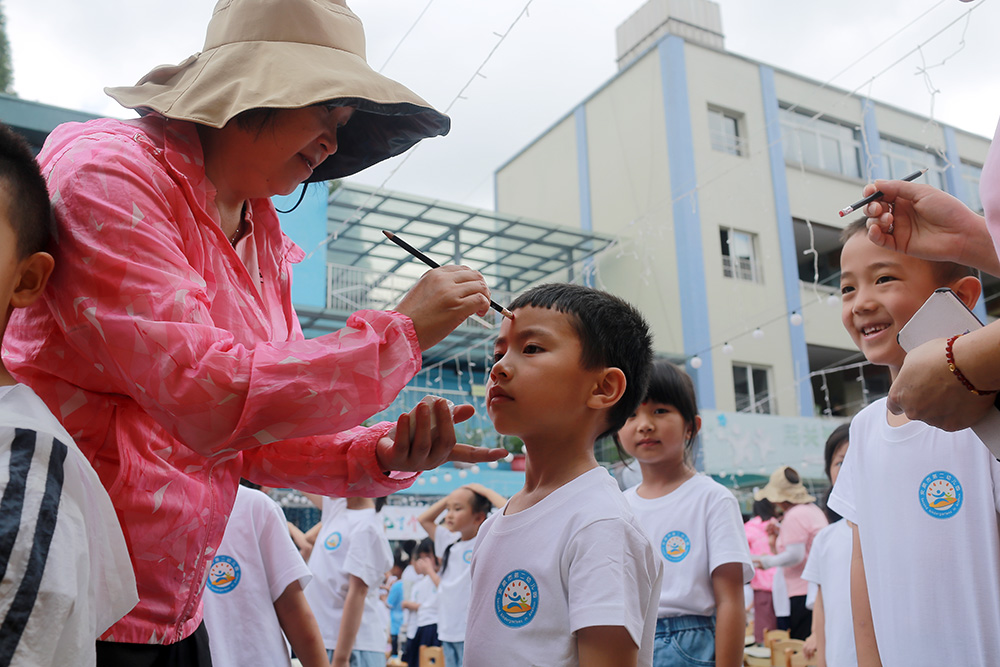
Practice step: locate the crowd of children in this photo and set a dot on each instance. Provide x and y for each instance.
(570, 570)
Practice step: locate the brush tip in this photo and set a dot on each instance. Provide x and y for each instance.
(388, 234)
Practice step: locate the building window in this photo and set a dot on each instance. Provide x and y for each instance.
(739, 256)
(820, 143)
(899, 159)
(724, 131)
(970, 173)
(751, 388)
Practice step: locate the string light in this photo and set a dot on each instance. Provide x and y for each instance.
(758, 333)
(795, 319)
(727, 348)
(696, 362)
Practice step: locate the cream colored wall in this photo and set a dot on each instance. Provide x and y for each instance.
(630, 197)
(738, 192)
(542, 182)
(822, 318)
(971, 147)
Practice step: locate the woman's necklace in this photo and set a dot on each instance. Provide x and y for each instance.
(236, 235)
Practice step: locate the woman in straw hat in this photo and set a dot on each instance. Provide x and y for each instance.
(801, 520)
(167, 342)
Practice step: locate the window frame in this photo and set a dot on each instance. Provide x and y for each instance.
(722, 142)
(732, 264)
(762, 406)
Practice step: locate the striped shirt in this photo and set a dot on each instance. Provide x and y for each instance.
(66, 572)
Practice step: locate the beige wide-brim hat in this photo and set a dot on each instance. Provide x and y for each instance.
(288, 54)
(780, 490)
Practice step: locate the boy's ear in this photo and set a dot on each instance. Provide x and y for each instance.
(32, 275)
(968, 289)
(607, 389)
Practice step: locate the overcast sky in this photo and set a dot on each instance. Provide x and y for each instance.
(66, 51)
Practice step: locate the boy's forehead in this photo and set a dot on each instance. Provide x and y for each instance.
(861, 254)
(530, 319)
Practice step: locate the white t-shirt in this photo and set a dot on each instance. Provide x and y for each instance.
(925, 502)
(351, 542)
(409, 579)
(829, 566)
(425, 593)
(67, 576)
(456, 584)
(576, 559)
(695, 528)
(255, 563)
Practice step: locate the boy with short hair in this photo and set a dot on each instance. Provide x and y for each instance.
(66, 571)
(922, 502)
(564, 575)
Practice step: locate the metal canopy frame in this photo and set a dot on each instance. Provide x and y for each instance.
(511, 252)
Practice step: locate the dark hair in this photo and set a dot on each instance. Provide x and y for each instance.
(379, 504)
(612, 333)
(833, 443)
(480, 505)
(763, 508)
(670, 385)
(945, 273)
(426, 546)
(27, 205)
(256, 120)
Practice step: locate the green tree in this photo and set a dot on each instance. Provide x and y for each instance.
(6, 69)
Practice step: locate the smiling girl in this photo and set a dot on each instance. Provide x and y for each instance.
(694, 524)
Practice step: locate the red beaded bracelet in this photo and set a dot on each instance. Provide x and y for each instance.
(950, 356)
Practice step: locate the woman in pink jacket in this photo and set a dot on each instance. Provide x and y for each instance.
(167, 343)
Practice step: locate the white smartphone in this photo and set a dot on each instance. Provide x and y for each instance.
(942, 316)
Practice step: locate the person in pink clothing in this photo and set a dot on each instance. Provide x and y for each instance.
(763, 606)
(801, 520)
(166, 342)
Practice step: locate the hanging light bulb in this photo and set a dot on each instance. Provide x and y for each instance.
(474, 470)
(447, 476)
(421, 481)
(696, 361)
(433, 479)
(832, 300)
(795, 319)
(758, 333)
(727, 349)
(492, 465)
(462, 474)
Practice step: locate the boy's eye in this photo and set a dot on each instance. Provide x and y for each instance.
(883, 279)
(846, 289)
(531, 349)
(497, 356)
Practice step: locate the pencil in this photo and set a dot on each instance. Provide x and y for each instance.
(878, 194)
(434, 265)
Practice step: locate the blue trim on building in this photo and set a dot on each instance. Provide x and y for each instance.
(952, 177)
(583, 179)
(786, 240)
(306, 225)
(871, 143)
(686, 215)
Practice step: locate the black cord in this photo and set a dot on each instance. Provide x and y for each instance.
(301, 197)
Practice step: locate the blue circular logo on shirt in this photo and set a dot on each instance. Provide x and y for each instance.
(941, 494)
(517, 599)
(467, 556)
(333, 541)
(223, 575)
(675, 546)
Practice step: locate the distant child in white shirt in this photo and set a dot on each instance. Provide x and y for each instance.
(829, 567)
(565, 575)
(349, 562)
(66, 576)
(423, 602)
(695, 524)
(255, 595)
(467, 509)
(925, 571)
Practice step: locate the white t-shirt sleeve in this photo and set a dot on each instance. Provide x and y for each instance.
(727, 540)
(283, 563)
(611, 572)
(364, 556)
(443, 538)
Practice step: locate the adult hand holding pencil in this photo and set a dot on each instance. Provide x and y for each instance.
(923, 221)
(443, 298)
